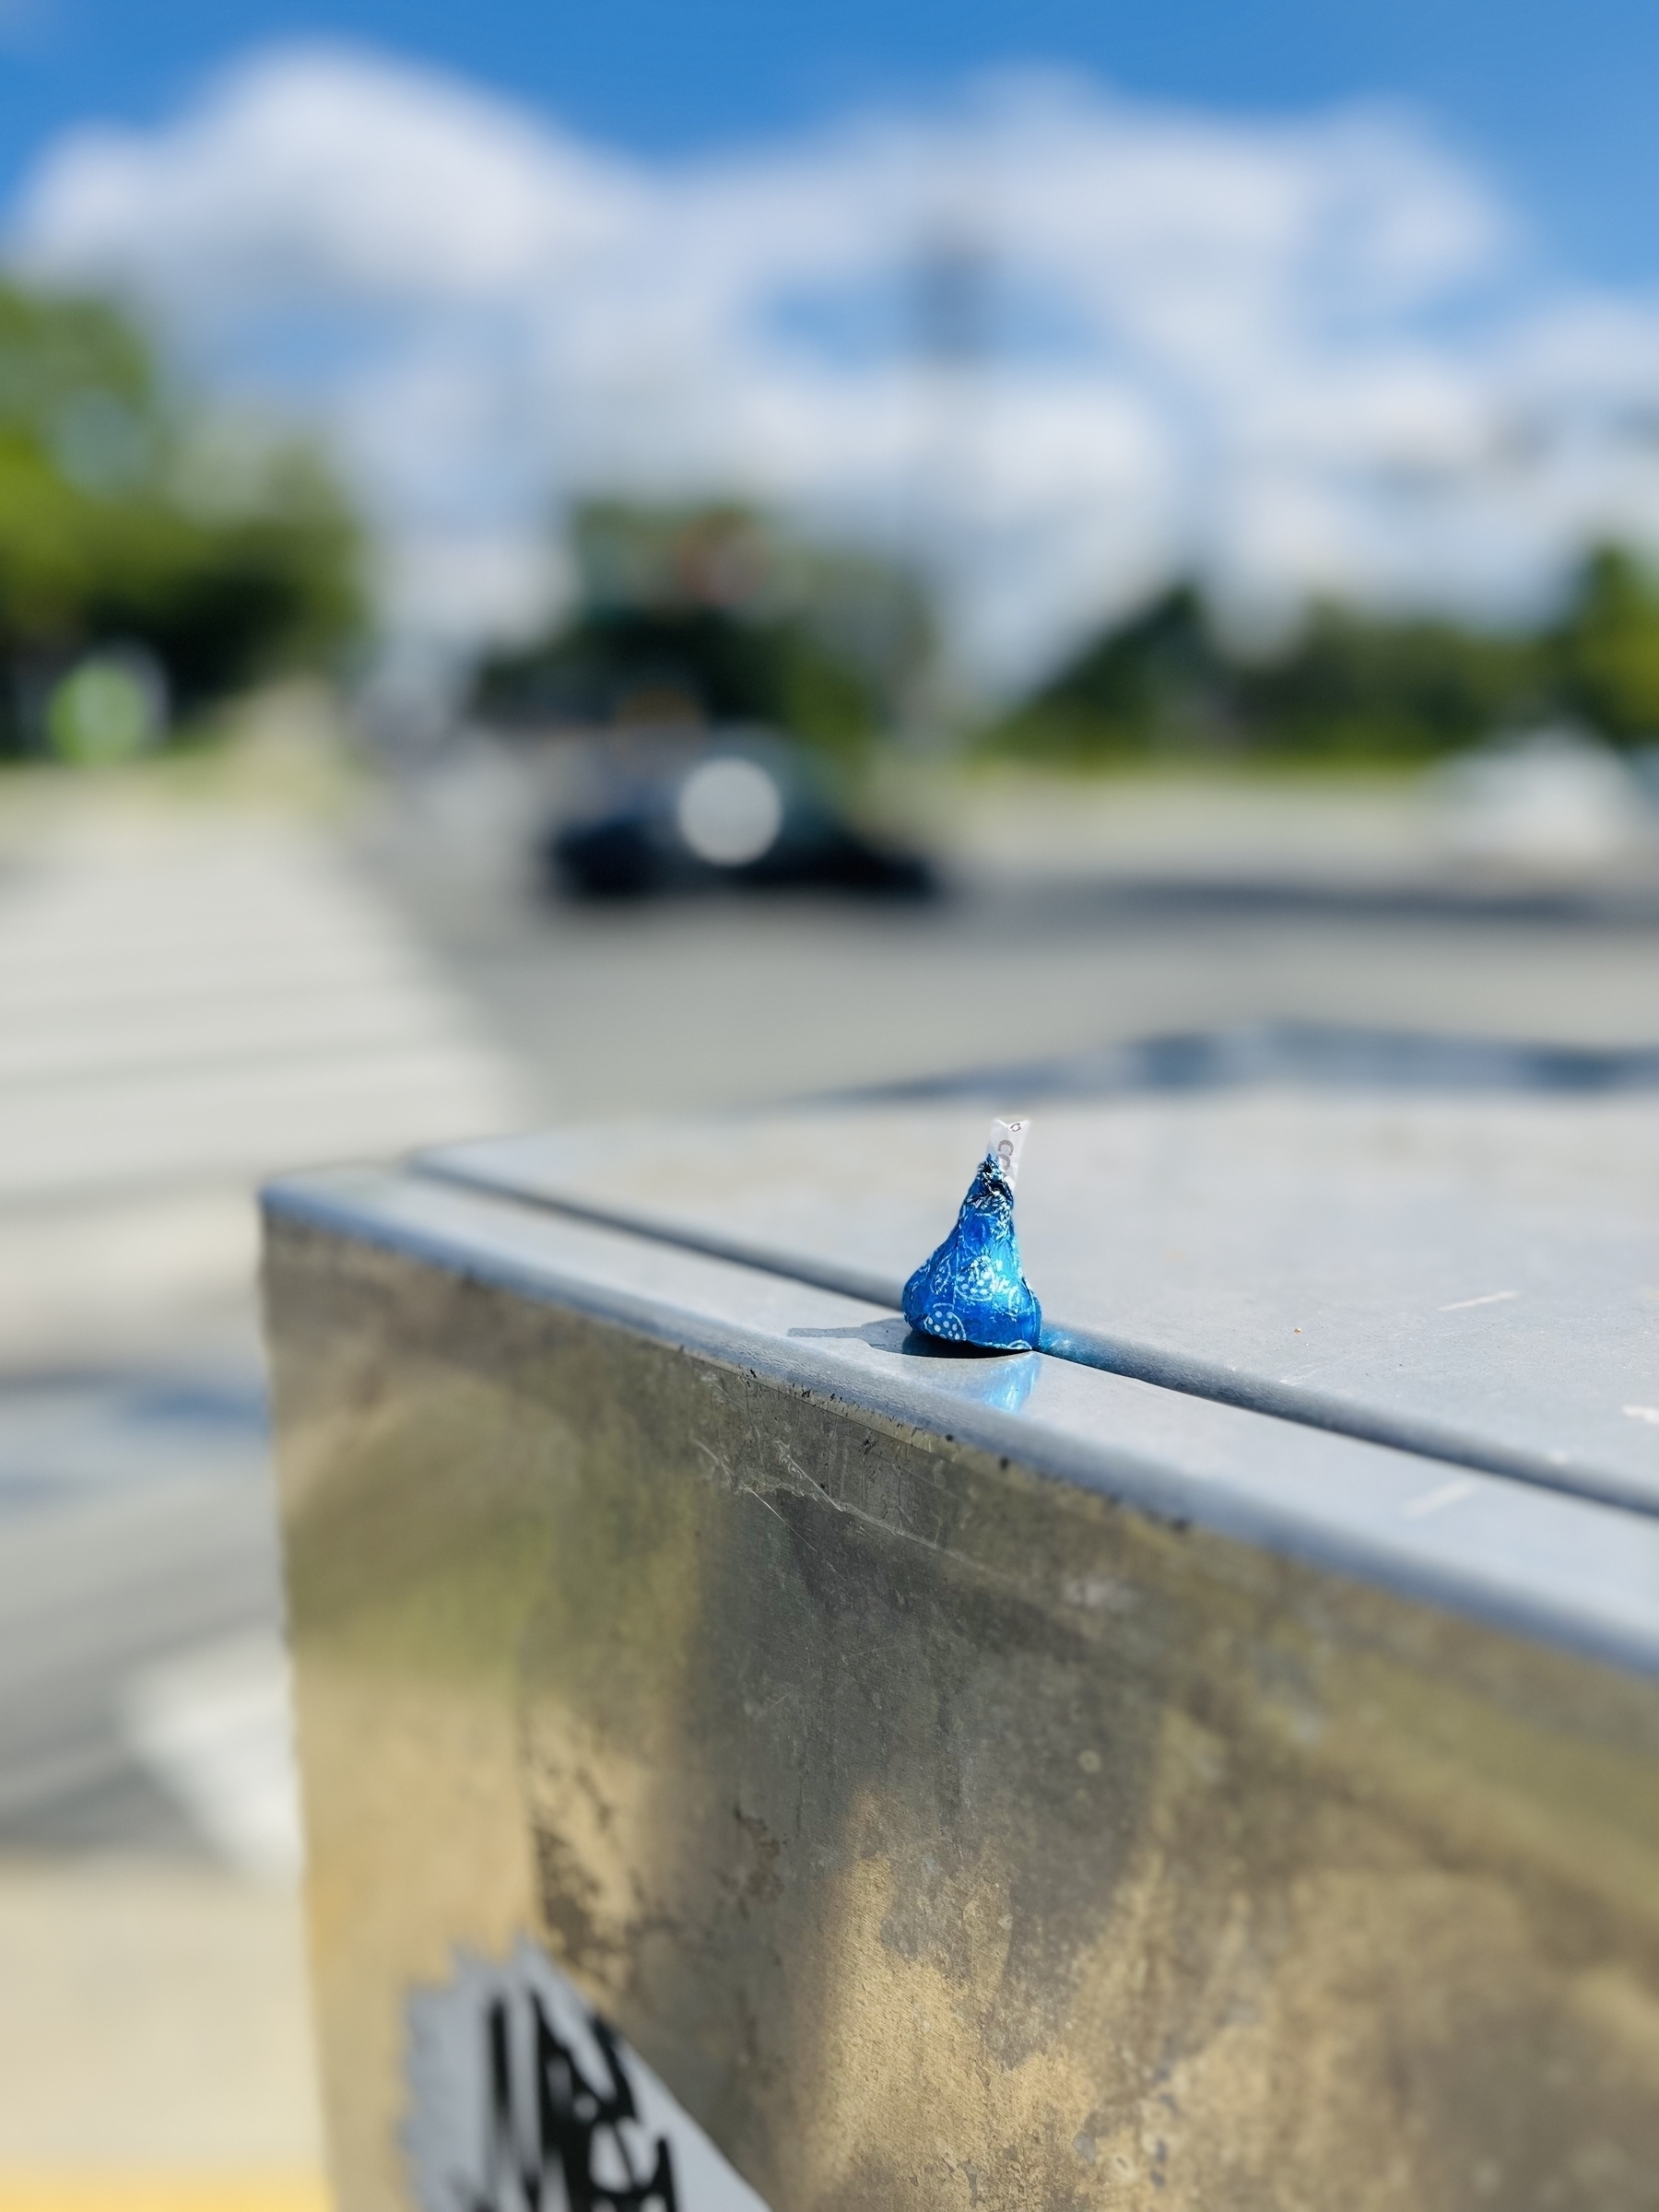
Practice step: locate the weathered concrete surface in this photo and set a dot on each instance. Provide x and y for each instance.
(943, 1835)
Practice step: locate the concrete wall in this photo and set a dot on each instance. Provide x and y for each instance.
(942, 1833)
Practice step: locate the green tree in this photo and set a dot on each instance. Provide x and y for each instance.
(1347, 685)
(126, 518)
(1157, 679)
(1352, 684)
(1605, 655)
(706, 611)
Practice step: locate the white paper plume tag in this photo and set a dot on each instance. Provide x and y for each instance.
(1007, 1142)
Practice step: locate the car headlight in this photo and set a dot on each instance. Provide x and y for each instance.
(729, 812)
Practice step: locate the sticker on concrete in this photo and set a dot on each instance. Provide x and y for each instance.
(522, 2100)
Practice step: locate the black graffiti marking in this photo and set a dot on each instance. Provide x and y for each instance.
(569, 2118)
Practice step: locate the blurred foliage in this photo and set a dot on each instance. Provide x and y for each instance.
(1350, 686)
(1362, 687)
(127, 522)
(707, 613)
(109, 708)
(1605, 656)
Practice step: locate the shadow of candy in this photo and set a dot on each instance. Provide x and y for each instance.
(992, 1378)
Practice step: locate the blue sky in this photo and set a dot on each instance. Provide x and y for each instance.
(1299, 299)
(1555, 103)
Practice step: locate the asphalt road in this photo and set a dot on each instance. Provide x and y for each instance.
(1060, 932)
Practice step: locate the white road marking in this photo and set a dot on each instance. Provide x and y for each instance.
(1492, 1298)
(188, 1004)
(212, 1725)
(1644, 1412)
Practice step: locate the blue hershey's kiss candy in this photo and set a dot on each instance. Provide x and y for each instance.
(970, 1290)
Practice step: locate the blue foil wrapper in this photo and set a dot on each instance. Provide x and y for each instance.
(971, 1290)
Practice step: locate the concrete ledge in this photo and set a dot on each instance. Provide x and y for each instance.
(960, 1791)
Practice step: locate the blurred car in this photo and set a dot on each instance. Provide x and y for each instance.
(651, 812)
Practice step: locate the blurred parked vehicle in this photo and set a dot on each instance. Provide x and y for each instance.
(1555, 800)
(680, 809)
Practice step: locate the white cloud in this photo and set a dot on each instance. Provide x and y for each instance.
(1294, 356)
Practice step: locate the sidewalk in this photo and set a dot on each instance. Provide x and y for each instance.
(154, 2041)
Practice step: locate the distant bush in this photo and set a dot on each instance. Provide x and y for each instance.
(1605, 657)
(1356, 685)
(127, 521)
(706, 612)
(1349, 685)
